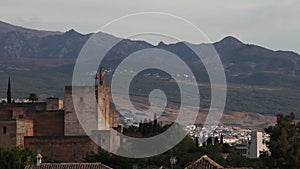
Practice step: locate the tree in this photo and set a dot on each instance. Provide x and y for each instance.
(284, 144)
(197, 141)
(9, 91)
(216, 140)
(209, 141)
(155, 125)
(33, 97)
(16, 157)
(145, 128)
(222, 139)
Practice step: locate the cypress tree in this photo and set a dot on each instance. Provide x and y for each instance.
(221, 140)
(155, 125)
(8, 91)
(197, 141)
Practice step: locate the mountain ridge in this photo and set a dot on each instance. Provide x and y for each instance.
(6, 27)
(31, 36)
(44, 65)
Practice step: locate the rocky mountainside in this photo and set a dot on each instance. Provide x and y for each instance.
(239, 59)
(21, 42)
(244, 63)
(238, 55)
(6, 27)
(42, 62)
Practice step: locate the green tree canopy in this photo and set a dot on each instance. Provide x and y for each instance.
(15, 158)
(284, 144)
(33, 97)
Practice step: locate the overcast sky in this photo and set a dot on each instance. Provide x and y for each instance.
(273, 24)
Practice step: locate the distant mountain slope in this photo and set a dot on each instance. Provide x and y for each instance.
(255, 65)
(239, 56)
(6, 27)
(41, 44)
(244, 63)
(42, 62)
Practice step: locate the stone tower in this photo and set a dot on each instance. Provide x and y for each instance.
(106, 114)
(97, 113)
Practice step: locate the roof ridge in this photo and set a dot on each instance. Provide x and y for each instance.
(94, 165)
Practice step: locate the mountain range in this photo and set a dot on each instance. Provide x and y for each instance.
(47, 58)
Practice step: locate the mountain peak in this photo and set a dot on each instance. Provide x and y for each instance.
(161, 43)
(230, 41)
(72, 31)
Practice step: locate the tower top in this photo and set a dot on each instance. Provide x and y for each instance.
(102, 77)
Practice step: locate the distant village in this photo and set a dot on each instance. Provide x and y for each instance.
(250, 144)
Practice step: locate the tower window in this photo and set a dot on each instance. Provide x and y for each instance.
(4, 130)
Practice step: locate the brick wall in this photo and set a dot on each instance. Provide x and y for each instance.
(10, 111)
(50, 123)
(24, 128)
(64, 148)
(5, 114)
(93, 115)
(8, 133)
(19, 112)
(13, 131)
(54, 104)
(86, 107)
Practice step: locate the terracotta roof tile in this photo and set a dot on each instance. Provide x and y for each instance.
(238, 168)
(69, 166)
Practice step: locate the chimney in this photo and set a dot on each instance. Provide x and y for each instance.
(39, 159)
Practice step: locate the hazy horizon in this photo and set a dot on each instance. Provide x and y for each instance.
(272, 24)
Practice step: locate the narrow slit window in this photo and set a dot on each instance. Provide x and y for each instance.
(4, 130)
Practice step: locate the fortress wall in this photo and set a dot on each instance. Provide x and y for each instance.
(64, 148)
(50, 123)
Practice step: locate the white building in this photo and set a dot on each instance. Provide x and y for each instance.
(256, 145)
(253, 147)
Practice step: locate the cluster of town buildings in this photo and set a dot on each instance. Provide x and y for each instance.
(248, 142)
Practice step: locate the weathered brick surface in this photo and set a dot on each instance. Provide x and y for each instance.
(15, 132)
(72, 125)
(5, 114)
(50, 123)
(95, 115)
(54, 104)
(10, 111)
(8, 138)
(24, 128)
(19, 112)
(65, 148)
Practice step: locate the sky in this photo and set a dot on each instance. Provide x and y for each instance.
(274, 24)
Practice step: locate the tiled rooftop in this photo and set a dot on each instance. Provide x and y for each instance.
(69, 166)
